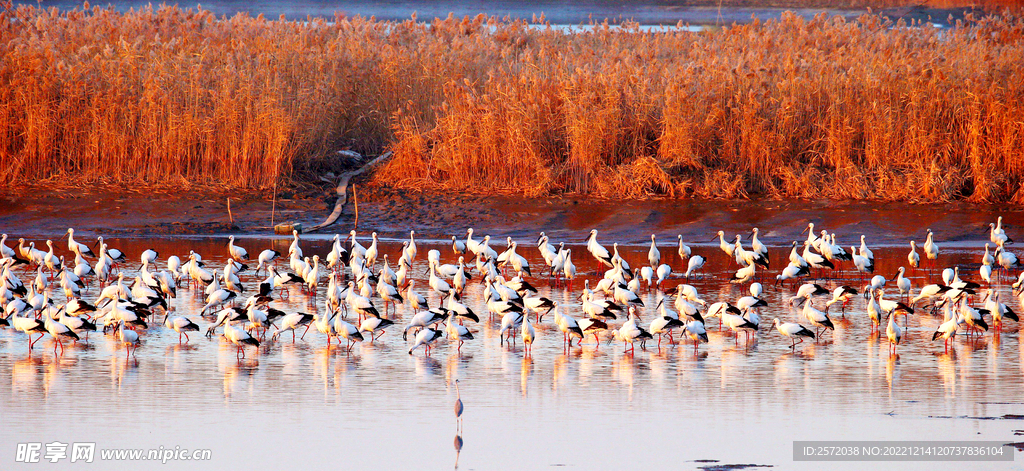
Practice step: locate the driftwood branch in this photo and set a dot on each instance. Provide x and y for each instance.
(343, 190)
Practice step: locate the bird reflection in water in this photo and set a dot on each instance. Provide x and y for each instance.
(524, 374)
(25, 372)
(458, 448)
(891, 370)
(243, 368)
(122, 368)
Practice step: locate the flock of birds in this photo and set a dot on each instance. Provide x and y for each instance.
(359, 279)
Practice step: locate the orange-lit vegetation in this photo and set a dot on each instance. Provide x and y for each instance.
(791, 108)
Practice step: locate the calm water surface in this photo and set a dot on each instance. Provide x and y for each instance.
(303, 405)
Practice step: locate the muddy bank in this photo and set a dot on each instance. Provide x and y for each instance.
(393, 213)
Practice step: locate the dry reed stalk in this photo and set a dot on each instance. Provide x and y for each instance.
(822, 107)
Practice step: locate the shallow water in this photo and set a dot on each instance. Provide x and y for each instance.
(302, 404)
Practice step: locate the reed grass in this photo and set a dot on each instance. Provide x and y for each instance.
(865, 109)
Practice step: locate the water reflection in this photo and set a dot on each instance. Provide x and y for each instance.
(458, 449)
(206, 380)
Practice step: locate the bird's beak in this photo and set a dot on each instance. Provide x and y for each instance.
(805, 229)
(714, 237)
(63, 236)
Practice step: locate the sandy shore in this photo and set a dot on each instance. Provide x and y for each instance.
(393, 214)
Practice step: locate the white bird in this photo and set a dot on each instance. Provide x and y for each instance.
(410, 250)
(423, 319)
(359, 304)
(931, 249)
(929, 291)
(817, 318)
(874, 312)
(947, 330)
(546, 249)
(683, 250)
(218, 298)
(372, 325)
(239, 337)
(1018, 286)
(865, 251)
(987, 259)
(791, 272)
(77, 247)
(372, 251)
(664, 325)
(294, 249)
(903, 283)
(115, 255)
(458, 246)
(148, 256)
(589, 325)
(460, 309)
(841, 294)
(518, 262)
(664, 271)
(737, 323)
(893, 307)
(863, 264)
(539, 305)
(59, 332)
(437, 284)
(792, 330)
(795, 259)
(510, 323)
(815, 260)
(456, 331)
(292, 321)
(997, 235)
(556, 261)
(569, 327)
(1006, 259)
(744, 275)
(913, 257)
(697, 332)
(268, 256)
(654, 255)
(626, 297)
(877, 283)
(998, 310)
(181, 325)
(129, 338)
(486, 250)
(356, 249)
(597, 250)
(471, 244)
(26, 325)
(725, 246)
(570, 269)
(529, 335)
(985, 271)
(51, 260)
(756, 246)
(5, 251)
(425, 337)
(631, 332)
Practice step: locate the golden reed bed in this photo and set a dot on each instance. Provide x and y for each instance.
(863, 109)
